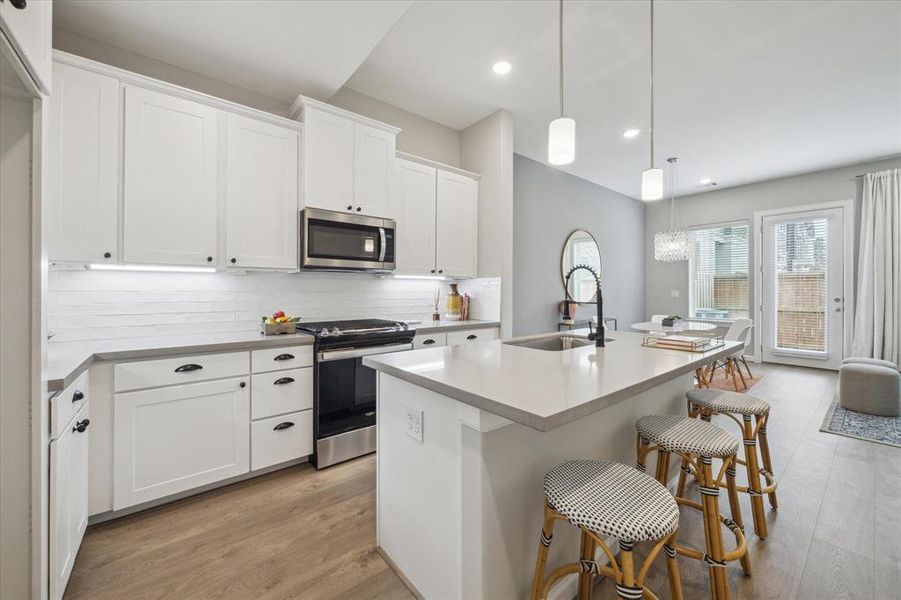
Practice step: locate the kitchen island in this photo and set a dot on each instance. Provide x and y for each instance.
(466, 434)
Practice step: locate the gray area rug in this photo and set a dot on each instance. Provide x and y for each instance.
(873, 428)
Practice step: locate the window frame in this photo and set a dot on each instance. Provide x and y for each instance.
(721, 225)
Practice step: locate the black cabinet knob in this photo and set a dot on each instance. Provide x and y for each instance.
(358, 209)
(107, 255)
(20, 4)
(349, 207)
(433, 270)
(471, 336)
(233, 260)
(81, 426)
(78, 395)
(209, 259)
(242, 384)
(441, 270)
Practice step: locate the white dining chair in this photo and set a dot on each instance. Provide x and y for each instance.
(739, 331)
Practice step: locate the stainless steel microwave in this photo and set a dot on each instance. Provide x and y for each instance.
(337, 241)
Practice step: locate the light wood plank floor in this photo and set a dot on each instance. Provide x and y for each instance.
(302, 533)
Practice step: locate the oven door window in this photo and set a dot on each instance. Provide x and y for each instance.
(346, 396)
(328, 239)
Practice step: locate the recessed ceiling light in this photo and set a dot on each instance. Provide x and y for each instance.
(705, 181)
(502, 67)
(631, 133)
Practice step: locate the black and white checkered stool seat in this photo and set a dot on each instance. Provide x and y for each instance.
(725, 401)
(674, 433)
(611, 499)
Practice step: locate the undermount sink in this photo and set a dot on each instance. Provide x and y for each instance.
(556, 343)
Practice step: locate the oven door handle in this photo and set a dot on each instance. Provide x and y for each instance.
(331, 355)
(383, 244)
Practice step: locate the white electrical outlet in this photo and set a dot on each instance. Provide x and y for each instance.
(414, 423)
(674, 293)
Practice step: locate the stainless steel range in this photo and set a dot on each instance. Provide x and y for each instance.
(344, 409)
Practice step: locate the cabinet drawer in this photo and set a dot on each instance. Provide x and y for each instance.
(276, 359)
(429, 340)
(65, 404)
(471, 335)
(281, 392)
(280, 439)
(182, 369)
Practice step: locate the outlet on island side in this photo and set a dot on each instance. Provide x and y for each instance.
(414, 423)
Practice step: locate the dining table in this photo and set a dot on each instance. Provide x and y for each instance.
(682, 327)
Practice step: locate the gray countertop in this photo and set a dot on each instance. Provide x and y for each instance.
(542, 389)
(67, 360)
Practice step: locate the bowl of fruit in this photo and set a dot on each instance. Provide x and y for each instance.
(278, 323)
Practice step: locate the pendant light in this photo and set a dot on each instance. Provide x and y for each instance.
(561, 135)
(651, 178)
(673, 244)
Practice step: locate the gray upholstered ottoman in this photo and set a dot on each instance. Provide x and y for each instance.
(870, 386)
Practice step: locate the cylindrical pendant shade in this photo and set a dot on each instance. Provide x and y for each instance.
(652, 184)
(561, 141)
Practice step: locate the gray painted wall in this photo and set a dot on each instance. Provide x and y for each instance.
(548, 205)
(739, 203)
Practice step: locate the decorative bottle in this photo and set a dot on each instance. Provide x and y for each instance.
(453, 305)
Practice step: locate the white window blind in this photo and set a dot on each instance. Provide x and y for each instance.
(801, 286)
(718, 272)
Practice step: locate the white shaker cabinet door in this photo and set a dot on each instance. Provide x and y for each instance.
(68, 499)
(457, 225)
(415, 214)
(171, 176)
(28, 27)
(328, 156)
(262, 195)
(83, 200)
(168, 440)
(374, 163)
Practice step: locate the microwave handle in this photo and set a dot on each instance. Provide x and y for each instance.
(383, 244)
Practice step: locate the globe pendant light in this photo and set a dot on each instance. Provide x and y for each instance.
(651, 178)
(673, 244)
(561, 134)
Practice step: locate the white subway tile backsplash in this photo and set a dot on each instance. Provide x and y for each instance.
(90, 305)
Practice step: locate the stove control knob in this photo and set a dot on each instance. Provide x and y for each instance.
(336, 331)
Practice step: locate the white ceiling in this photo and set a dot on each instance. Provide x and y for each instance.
(274, 47)
(746, 91)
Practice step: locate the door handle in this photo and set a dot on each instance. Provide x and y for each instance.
(188, 368)
(281, 426)
(284, 357)
(283, 380)
(81, 426)
(383, 244)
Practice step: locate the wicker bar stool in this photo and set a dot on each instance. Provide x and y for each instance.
(705, 403)
(608, 499)
(698, 443)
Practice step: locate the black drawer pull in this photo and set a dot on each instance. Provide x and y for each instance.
(188, 368)
(427, 342)
(283, 380)
(284, 357)
(471, 336)
(284, 425)
(81, 426)
(78, 395)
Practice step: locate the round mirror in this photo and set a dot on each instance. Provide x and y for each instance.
(580, 249)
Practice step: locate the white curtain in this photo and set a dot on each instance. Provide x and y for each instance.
(877, 318)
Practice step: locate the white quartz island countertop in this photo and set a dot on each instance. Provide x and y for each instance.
(544, 389)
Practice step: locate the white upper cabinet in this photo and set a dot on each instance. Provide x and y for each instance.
(415, 213)
(29, 29)
(328, 167)
(374, 164)
(261, 211)
(348, 160)
(84, 165)
(171, 176)
(457, 225)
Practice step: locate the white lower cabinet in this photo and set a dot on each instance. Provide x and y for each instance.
(68, 498)
(429, 340)
(173, 439)
(279, 439)
(281, 392)
(471, 335)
